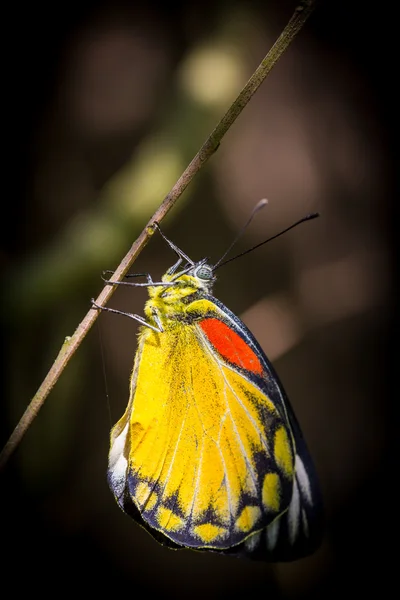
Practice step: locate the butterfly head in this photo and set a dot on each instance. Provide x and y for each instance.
(194, 276)
(204, 273)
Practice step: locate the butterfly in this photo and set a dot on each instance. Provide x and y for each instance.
(209, 454)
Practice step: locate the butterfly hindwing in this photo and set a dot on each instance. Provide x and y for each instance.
(205, 454)
(199, 463)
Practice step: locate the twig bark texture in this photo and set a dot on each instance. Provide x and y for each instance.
(71, 344)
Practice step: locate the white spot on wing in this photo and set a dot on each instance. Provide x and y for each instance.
(305, 522)
(117, 463)
(303, 480)
(252, 542)
(294, 513)
(272, 534)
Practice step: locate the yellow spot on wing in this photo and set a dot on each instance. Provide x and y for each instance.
(151, 501)
(142, 492)
(208, 532)
(283, 452)
(248, 518)
(168, 519)
(271, 491)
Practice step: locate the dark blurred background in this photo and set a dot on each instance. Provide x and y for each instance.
(106, 104)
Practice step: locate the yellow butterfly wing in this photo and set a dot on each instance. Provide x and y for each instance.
(203, 454)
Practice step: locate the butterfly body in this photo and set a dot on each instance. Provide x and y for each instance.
(208, 454)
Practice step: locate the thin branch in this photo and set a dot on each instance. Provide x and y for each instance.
(71, 344)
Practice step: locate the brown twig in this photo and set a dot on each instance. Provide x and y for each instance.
(70, 345)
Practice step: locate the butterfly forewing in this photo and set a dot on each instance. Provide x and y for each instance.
(208, 454)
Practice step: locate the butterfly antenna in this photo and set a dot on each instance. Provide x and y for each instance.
(306, 218)
(255, 210)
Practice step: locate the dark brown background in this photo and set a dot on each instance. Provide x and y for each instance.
(106, 103)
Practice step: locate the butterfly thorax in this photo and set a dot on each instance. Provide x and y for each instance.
(171, 302)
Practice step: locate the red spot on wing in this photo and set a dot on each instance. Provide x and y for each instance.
(230, 345)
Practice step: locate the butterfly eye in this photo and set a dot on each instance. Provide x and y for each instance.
(204, 273)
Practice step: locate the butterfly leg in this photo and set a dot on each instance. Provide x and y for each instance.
(175, 248)
(137, 318)
(146, 275)
(149, 282)
(174, 267)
